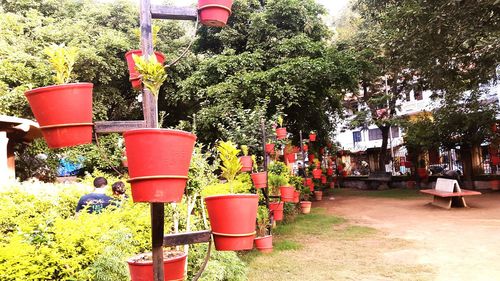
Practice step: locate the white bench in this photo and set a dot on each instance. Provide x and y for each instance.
(448, 193)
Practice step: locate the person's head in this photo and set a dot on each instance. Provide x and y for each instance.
(118, 188)
(100, 182)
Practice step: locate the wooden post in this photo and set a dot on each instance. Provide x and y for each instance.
(150, 111)
(265, 191)
(303, 153)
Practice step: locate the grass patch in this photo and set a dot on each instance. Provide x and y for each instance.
(395, 193)
(356, 231)
(286, 245)
(315, 223)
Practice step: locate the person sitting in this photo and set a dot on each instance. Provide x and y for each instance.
(96, 201)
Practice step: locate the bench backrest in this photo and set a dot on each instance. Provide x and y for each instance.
(447, 185)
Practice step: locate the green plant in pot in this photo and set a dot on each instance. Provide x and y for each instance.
(259, 178)
(280, 131)
(232, 216)
(279, 176)
(312, 136)
(245, 160)
(263, 242)
(298, 184)
(64, 110)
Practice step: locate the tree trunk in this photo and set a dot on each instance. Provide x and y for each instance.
(466, 154)
(383, 149)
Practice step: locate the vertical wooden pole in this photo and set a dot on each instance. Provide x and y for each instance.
(150, 109)
(302, 152)
(265, 190)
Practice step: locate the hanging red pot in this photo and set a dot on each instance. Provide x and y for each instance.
(317, 173)
(329, 171)
(286, 193)
(270, 148)
(259, 179)
(305, 147)
(277, 209)
(310, 157)
(141, 266)
(158, 162)
(281, 133)
(311, 186)
(232, 218)
(264, 244)
(290, 158)
(318, 195)
(323, 179)
(308, 181)
(133, 73)
(312, 137)
(305, 206)
(296, 196)
(214, 12)
(322, 151)
(246, 163)
(64, 113)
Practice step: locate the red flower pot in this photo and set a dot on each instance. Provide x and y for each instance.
(305, 147)
(64, 113)
(134, 74)
(277, 209)
(286, 193)
(318, 195)
(311, 157)
(312, 137)
(246, 163)
(329, 171)
(269, 148)
(214, 12)
(305, 206)
(158, 162)
(290, 158)
(281, 133)
(296, 196)
(344, 173)
(264, 244)
(232, 218)
(311, 186)
(317, 173)
(308, 181)
(173, 268)
(332, 184)
(259, 179)
(323, 179)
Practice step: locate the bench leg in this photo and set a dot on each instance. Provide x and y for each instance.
(443, 202)
(458, 202)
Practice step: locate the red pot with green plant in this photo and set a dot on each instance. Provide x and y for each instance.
(269, 148)
(141, 266)
(277, 209)
(158, 162)
(281, 131)
(312, 136)
(63, 111)
(214, 12)
(290, 158)
(259, 179)
(287, 193)
(305, 207)
(296, 196)
(133, 73)
(245, 160)
(323, 179)
(307, 181)
(329, 171)
(264, 242)
(317, 173)
(305, 147)
(311, 157)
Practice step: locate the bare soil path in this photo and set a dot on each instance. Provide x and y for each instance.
(458, 244)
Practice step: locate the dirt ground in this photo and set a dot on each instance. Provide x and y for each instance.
(458, 244)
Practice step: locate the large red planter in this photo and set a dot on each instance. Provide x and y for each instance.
(305, 206)
(290, 157)
(296, 196)
(214, 12)
(286, 193)
(158, 161)
(232, 218)
(173, 268)
(264, 244)
(277, 209)
(259, 179)
(317, 173)
(281, 133)
(312, 137)
(133, 73)
(246, 163)
(64, 113)
(269, 148)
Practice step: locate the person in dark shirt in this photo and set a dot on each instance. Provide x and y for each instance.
(97, 200)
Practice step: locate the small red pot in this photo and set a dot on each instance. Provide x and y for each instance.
(312, 137)
(308, 181)
(259, 179)
(311, 157)
(305, 206)
(296, 196)
(281, 133)
(317, 173)
(323, 179)
(329, 171)
(264, 244)
(134, 74)
(158, 162)
(246, 163)
(214, 12)
(305, 147)
(286, 193)
(143, 271)
(344, 173)
(277, 209)
(318, 195)
(290, 158)
(311, 186)
(270, 148)
(232, 218)
(64, 113)
(332, 184)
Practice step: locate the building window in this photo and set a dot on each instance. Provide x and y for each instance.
(356, 136)
(374, 134)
